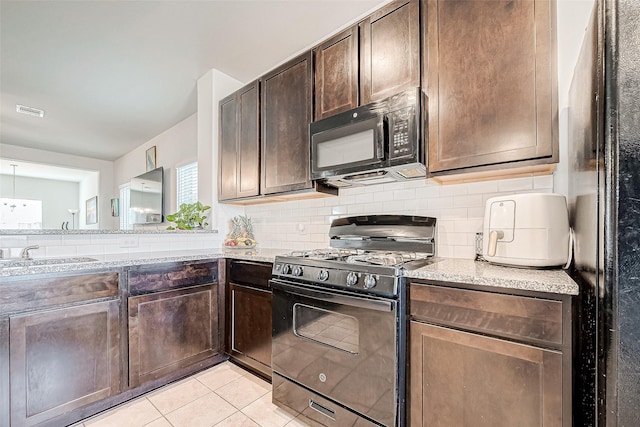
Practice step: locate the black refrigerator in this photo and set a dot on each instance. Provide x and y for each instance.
(604, 199)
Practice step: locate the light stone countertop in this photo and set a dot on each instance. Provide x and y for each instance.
(470, 272)
(139, 258)
(442, 269)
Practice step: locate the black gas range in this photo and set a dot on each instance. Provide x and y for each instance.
(339, 321)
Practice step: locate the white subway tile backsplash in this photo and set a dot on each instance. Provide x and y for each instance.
(515, 184)
(453, 190)
(464, 252)
(56, 251)
(383, 196)
(473, 201)
(407, 194)
(394, 186)
(459, 239)
(543, 182)
(364, 198)
(428, 192)
(482, 187)
(352, 191)
(355, 209)
(468, 226)
(445, 226)
(476, 212)
(457, 213)
(440, 203)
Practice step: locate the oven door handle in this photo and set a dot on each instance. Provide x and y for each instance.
(366, 303)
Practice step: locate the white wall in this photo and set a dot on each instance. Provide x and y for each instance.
(88, 189)
(573, 17)
(176, 146)
(212, 87)
(56, 196)
(104, 169)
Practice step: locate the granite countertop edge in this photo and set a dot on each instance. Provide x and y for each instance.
(140, 258)
(482, 273)
(451, 270)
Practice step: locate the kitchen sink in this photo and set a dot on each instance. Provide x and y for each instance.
(15, 263)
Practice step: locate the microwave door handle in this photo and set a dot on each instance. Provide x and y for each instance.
(381, 143)
(335, 299)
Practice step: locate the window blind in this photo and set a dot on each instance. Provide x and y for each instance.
(187, 184)
(125, 204)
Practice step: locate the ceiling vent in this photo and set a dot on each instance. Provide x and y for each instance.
(30, 111)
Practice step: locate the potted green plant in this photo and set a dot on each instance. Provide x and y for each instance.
(189, 217)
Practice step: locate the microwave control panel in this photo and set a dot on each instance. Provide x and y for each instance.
(401, 129)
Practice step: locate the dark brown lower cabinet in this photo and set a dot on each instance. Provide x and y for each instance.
(171, 330)
(465, 379)
(248, 308)
(486, 357)
(63, 359)
(251, 321)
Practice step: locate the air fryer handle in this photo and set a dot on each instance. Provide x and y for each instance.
(494, 235)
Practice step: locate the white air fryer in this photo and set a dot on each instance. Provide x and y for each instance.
(527, 230)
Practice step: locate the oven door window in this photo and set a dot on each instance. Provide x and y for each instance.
(327, 327)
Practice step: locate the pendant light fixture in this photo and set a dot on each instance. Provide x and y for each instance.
(13, 202)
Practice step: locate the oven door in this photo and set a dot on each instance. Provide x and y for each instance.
(340, 346)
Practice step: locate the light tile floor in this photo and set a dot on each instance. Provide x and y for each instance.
(222, 396)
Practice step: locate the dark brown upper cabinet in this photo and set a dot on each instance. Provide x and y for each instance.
(390, 51)
(370, 61)
(239, 144)
(490, 73)
(336, 74)
(287, 100)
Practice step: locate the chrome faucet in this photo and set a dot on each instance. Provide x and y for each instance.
(24, 253)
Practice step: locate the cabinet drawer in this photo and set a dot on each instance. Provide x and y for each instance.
(161, 277)
(20, 295)
(250, 273)
(509, 316)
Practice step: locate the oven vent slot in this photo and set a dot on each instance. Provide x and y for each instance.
(322, 409)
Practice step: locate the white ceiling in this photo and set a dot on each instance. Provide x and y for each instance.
(111, 75)
(39, 170)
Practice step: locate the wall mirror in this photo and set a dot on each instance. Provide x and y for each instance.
(39, 196)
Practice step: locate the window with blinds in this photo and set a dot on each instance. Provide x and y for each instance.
(125, 203)
(187, 184)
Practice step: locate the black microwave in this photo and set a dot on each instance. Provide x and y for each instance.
(383, 141)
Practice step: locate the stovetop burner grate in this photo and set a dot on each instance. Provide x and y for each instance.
(362, 257)
(385, 258)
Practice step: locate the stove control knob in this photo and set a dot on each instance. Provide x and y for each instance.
(297, 270)
(286, 269)
(369, 281)
(323, 275)
(352, 278)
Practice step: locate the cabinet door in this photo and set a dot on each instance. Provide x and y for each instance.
(491, 81)
(248, 178)
(463, 379)
(171, 330)
(286, 114)
(390, 51)
(251, 323)
(62, 360)
(336, 74)
(228, 148)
